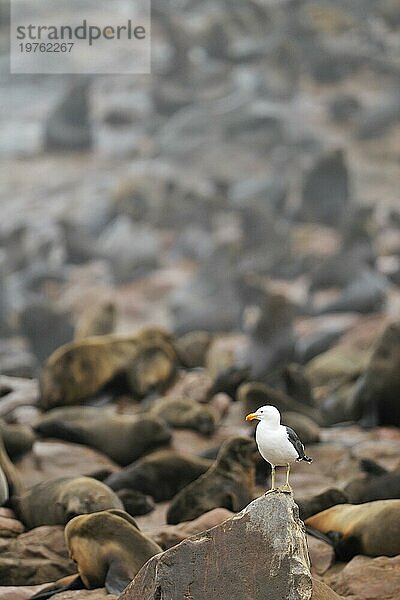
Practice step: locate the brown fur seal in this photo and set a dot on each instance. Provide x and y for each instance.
(228, 483)
(254, 394)
(378, 484)
(57, 501)
(161, 474)
(135, 503)
(316, 504)
(108, 548)
(83, 368)
(17, 439)
(372, 528)
(307, 429)
(124, 438)
(192, 348)
(98, 321)
(376, 395)
(229, 380)
(183, 413)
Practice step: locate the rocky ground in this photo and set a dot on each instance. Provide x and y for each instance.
(247, 189)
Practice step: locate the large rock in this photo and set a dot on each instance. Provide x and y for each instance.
(366, 578)
(261, 554)
(35, 557)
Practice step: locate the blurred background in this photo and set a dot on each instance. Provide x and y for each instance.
(261, 158)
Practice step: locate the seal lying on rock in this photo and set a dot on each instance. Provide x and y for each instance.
(98, 321)
(379, 484)
(377, 391)
(372, 528)
(124, 438)
(161, 474)
(229, 483)
(57, 501)
(17, 439)
(81, 369)
(183, 413)
(135, 503)
(316, 504)
(108, 548)
(255, 394)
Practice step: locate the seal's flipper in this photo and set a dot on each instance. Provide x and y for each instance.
(72, 582)
(117, 577)
(60, 431)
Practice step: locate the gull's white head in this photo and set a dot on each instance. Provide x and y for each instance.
(269, 414)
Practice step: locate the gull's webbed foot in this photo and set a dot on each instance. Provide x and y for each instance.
(286, 489)
(271, 491)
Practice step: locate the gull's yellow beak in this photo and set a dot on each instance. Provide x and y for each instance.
(251, 416)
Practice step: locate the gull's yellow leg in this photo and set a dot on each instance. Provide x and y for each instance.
(286, 488)
(273, 488)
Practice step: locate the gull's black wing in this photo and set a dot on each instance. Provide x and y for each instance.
(298, 446)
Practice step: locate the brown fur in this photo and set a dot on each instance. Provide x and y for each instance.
(82, 368)
(192, 348)
(254, 394)
(124, 438)
(183, 413)
(17, 439)
(316, 504)
(161, 474)
(229, 483)
(376, 393)
(100, 320)
(372, 528)
(55, 502)
(108, 548)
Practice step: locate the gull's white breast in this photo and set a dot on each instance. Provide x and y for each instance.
(274, 445)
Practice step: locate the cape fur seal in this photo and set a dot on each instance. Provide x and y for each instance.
(192, 348)
(372, 528)
(255, 394)
(228, 483)
(57, 501)
(98, 321)
(17, 439)
(377, 391)
(379, 484)
(183, 413)
(316, 504)
(83, 368)
(135, 503)
(161, 474)
(124, 438)
(108, 548)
